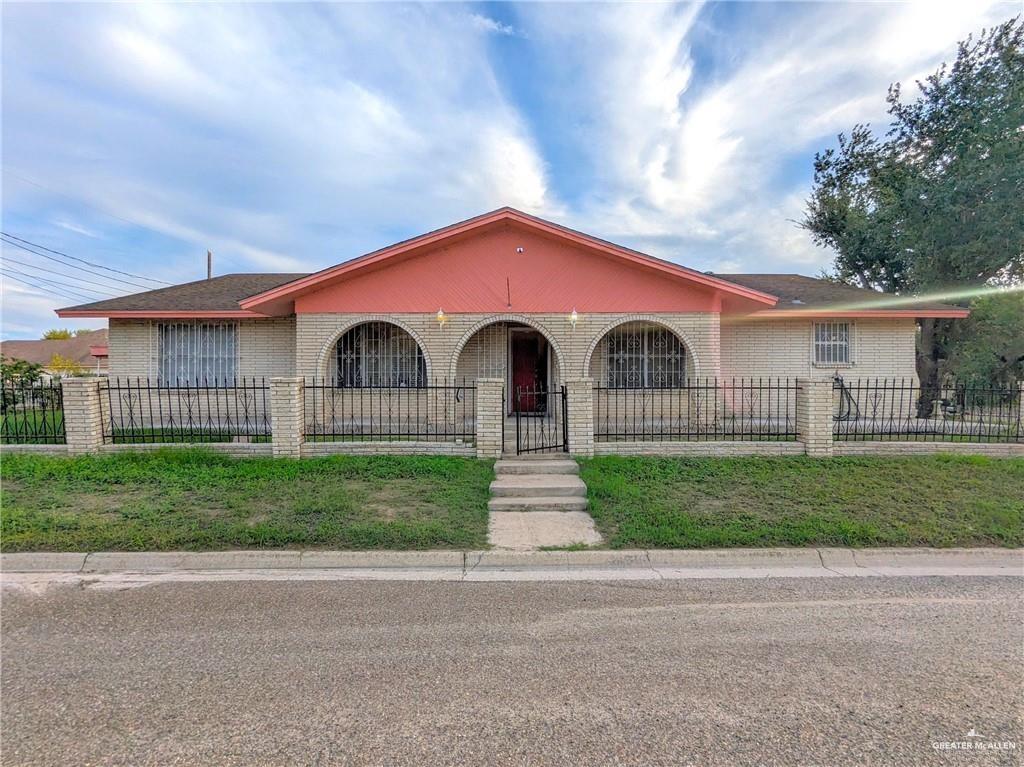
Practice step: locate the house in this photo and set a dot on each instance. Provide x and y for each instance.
(511, 296)
(88, 350)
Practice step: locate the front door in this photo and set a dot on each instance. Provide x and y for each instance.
(530, 371)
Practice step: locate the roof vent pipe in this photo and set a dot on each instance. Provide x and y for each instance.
(209, 264)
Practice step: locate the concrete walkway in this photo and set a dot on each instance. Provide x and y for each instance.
(539, 501)
(129, 569)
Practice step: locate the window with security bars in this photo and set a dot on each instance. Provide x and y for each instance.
(831, 343)
(197, 352)
(379, 354)
(645, 356)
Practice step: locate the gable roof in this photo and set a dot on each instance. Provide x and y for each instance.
(77, 348)
(263, 295)
(436, 238)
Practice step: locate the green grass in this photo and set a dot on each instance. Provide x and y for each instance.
(22, 425)
(199, 500)
(941, 500)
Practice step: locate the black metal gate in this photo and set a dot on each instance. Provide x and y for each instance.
(542, 420)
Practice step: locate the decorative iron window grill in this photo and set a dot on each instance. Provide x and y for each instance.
(379, 354)
(197, 351)
(831, 343)
(644, 356)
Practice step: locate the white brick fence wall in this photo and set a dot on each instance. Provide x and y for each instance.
(84, 424)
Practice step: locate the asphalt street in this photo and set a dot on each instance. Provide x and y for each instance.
(841, 671)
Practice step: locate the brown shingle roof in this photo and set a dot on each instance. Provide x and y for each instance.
(216, 295)
(795, 291)
(41, 352)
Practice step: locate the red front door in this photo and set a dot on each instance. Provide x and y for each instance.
(529, 371)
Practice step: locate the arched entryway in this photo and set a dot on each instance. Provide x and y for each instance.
(516, 350)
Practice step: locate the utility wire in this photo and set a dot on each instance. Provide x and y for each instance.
(7, 259)
(81, 201)
(73, 288)
(57, 282)
(82, 260)
(72, 266)
(47, 291)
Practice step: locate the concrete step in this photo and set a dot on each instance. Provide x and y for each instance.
(533, 485)
(538, 503)
(536, 466)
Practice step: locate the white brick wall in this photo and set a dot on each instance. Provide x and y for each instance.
(783, 348)
(266, 348)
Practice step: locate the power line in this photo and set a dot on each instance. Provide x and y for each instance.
(81, 201)
(54, 271)
(68, 285)
(82, 260)
(72, 266)
(47, 291)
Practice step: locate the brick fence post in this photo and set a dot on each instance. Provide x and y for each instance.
(580, 404)
(83, 415)
(814, 416)
(490, 417)
(287, 416)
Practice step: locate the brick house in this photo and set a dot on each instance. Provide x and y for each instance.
(512, 297)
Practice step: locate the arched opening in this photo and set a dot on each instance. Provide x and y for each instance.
(640, 355)
(520, 354)
(377, 354)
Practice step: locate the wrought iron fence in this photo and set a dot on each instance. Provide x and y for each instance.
(437, 412)
(749, 409)
(33, 412)
(901, 410)
(541, 420)
(139, 410)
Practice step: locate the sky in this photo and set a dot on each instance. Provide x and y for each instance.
(287, 137)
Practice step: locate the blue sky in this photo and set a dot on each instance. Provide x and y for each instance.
(288, 137)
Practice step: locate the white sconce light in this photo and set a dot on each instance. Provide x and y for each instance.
(441, 317)
(574, 318)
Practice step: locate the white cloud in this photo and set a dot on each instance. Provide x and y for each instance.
(487, 24)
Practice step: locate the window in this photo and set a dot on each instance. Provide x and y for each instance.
(831, 343)
(197, 352)
(645, 356)
(379, 354)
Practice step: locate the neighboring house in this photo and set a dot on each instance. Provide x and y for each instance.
(511, 296)
(89, 350)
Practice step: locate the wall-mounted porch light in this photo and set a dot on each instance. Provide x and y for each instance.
(574, 318)
(441, 317)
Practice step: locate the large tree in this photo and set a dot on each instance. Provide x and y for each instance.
(934, 206)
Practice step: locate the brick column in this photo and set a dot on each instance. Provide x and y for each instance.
(490, 420)
(580, 403)
(83, 415)
(287, 416)
(814, 416)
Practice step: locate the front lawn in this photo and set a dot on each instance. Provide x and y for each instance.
(941, 500)
(195, 499)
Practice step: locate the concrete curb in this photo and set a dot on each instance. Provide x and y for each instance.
(680, 563)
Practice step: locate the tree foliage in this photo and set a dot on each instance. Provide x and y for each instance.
(65, 366)
(57, 334)
(934, 205)
(20, 370)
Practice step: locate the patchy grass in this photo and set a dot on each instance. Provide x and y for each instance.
(199, 500)
(941, 500)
